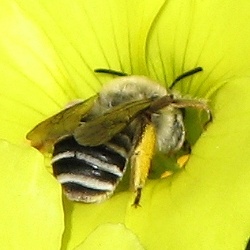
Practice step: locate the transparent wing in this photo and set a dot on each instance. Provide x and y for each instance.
(63, 123)
(102, 128)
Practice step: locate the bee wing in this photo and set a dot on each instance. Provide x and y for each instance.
(45, 133)
(102, 128)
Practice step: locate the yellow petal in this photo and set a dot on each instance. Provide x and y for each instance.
(210, 34)
(31, 81)
(31, 210)
(111, 236)
(106, 34)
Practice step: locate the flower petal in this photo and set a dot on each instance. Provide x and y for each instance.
(30, 80)
(106, 34)
(111, 236)
(210, 34)
(30, 201)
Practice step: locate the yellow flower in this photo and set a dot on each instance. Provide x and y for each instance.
(49, 50)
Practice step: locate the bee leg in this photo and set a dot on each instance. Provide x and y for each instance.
(197, 104)
(181, 159)
(141, 157)
(210, 119)
(181, 162)
(137, 198)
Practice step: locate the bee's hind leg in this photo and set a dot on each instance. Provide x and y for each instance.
(140, 160)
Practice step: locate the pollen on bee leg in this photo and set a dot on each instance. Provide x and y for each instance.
(181, 161)
(141, 160)
(166, 174)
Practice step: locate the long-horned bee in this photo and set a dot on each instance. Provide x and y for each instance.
(95, 140)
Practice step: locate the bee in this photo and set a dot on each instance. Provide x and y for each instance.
(95, 140)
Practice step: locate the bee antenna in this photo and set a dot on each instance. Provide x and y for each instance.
(188, 73)
(111, 72)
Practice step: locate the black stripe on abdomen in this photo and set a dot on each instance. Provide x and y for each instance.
(88, 174)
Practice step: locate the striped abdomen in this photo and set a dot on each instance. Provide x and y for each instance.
(89, 174)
